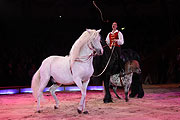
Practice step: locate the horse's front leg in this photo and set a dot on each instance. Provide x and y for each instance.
(83, 88)
(114, 89)
(107, 97)
(126, 90)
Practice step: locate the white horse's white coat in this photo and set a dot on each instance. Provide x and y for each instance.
(76, 68)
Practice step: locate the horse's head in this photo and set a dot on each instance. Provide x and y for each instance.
(94, 42)
(133, 66)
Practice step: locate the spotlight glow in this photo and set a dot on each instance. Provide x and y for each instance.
(63, 88)
(9, 91)
(72, 88)
(25, 90)
(95, 88)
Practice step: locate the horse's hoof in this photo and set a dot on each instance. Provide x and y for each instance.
(55, 107)
(38, 111)
(140, 95)
(108, 101)
(127, 100)
(85, 112)
(79, 111)
(132, 95)
(118, 97)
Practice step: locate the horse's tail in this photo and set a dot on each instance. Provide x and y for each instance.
(35, 83)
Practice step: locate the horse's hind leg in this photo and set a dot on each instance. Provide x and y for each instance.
(52, 90)
(43, 84)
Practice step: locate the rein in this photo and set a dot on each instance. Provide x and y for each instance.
(106, 64)
(101, 15)
(87, 58)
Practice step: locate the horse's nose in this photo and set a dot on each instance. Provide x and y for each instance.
(101, 52)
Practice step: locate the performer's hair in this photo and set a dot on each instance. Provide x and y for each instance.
(115, 22)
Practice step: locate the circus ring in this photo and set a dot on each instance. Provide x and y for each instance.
(161, 102)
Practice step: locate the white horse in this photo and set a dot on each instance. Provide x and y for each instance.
(76, 68)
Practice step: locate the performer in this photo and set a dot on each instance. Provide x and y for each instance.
(114, 38)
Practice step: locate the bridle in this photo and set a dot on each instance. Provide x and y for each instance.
(86, 58)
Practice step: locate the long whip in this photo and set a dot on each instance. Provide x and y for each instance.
(99, 12)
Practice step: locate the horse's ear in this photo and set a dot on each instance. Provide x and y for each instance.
(88, 30)
(99, 30)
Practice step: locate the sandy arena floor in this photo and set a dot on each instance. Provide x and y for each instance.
(161, 102)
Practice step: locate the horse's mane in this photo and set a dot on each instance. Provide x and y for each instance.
(129, 54)
(79, 43)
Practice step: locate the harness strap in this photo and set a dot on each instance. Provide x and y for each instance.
(70, 67)
(87, 58)
(124, 73)
(84, 57)
(121, 81)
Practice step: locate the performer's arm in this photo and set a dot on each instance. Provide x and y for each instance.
(107, 40)
(120, 41)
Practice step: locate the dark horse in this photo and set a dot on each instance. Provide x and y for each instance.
(116, 66)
